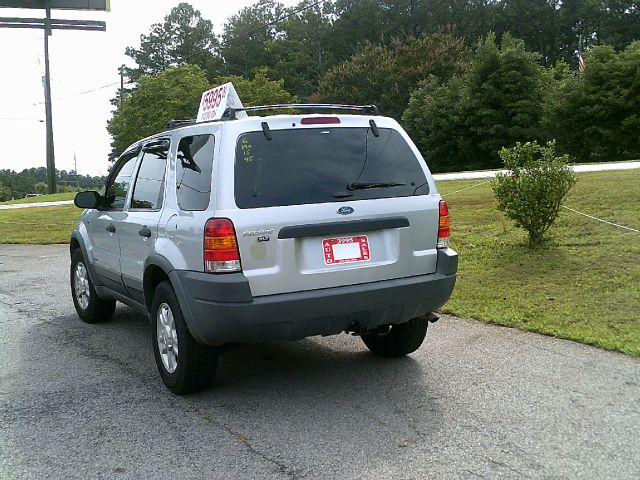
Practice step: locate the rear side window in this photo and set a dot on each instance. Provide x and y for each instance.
(193, 171)
(147, 193)
(323, 165)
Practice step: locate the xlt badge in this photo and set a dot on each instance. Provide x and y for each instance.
(256, 233)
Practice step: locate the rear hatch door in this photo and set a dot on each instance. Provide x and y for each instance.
(320, 207)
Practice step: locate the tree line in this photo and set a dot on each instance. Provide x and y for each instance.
(14, 185)
(465, 77)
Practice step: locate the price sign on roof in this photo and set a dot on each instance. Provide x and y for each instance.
(215, 101)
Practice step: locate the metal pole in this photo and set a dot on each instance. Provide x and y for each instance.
(51, 164)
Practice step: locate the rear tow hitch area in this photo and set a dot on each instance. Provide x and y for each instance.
(431, 317)
(357, 329)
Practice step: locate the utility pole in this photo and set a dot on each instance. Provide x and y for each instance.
(51, 163)
(48, 25)
(75, 169)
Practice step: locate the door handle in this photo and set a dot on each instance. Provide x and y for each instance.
(111, 228)
(144, 232)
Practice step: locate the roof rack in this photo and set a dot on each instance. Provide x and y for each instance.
(230, 113)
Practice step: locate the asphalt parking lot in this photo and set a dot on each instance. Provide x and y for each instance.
(85, 401)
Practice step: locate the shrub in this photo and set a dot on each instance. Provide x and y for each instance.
(531, 191)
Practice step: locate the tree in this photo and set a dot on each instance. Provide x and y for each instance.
(387, 76)
(535, 22)
(497, 103)
(173, 93)
(621, 23)
(531, 191)
(504, 97)
(594, 114)
(5, 193)
(259, 90)
(294, 43)
(303, 47)
(357, 22)
(435, 121)
(183, 37)
(248, 38)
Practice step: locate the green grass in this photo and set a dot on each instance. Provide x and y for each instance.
(39, 225)
(43, 198)
(583, 284)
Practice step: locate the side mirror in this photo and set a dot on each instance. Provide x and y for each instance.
(89, 199)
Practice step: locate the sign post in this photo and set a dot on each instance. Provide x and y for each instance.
(48, 24)
(51, 162)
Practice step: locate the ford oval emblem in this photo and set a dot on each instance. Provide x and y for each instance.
(345, 210)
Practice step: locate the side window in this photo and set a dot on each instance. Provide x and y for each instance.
(193, 171)
(147, 193)
(118, 186)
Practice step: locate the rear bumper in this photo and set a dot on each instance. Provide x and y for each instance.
(220, 309)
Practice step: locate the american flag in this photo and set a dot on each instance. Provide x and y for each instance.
(581, 63)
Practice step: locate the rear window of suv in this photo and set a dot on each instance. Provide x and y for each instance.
(321, 165)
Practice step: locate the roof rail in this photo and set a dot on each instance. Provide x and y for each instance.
(171, 124)
(230, 113)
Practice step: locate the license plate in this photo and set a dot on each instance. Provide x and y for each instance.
(346, 250)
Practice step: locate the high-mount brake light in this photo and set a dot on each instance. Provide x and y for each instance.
(443, 225)
(319, 120)
(221, 254)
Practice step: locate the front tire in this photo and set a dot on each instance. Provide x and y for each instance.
(399, 340)
(90, 307)
(184, 365)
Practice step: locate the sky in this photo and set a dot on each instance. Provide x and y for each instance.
(80, 62)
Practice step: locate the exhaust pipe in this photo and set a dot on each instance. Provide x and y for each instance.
(431, 317)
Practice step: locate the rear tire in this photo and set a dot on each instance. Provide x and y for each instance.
(399, 340)
(184, 365)
(90, 307)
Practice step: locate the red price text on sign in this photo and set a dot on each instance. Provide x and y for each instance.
(213, 98)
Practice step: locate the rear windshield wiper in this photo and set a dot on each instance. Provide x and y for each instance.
(362, 186)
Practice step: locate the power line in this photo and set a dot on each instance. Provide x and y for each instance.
(284, 17)
(68, 97)
(16, 119)
(59, 99)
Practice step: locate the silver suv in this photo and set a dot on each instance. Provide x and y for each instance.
(272, 227)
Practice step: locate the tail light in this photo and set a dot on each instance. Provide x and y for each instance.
(221, 253)
(443, 225)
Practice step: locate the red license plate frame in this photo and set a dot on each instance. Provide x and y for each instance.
(349, 249)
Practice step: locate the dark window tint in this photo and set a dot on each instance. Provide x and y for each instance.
(147, 193)
(324, 165)
(193, 172)
(118, 186)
